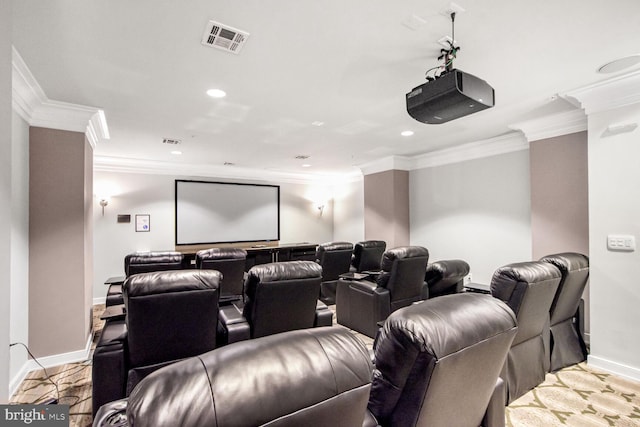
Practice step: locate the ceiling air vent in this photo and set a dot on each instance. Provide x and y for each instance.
(224, 37)
(171, 141)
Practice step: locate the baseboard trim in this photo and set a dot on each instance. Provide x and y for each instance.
(18, 378)
(49, 361)
(99, 300)
(629, 372)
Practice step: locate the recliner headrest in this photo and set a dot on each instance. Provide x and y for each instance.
(154, 257)
(509, 283)
(334, 246)
(288, 270)
(221, 253)
(401, 252)
(148, 258)
(372, 244)
(160, 282)
(567, 261)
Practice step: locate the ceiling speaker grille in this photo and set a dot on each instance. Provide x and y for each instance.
(224, 37)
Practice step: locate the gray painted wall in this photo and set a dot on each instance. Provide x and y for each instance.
(386, 207)
(614, 208)
(58, 236)
(560, 195)
(133, 194)
(476, 210)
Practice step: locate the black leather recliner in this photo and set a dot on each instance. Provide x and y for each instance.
(361, 304)
(170, 315)
(567, 342)
(437, 363)
(367, 255)
(528, 288)
(143, 262)
(231, 263)
(445, 277)
(280, 296)
(335, 259)
(313, 377)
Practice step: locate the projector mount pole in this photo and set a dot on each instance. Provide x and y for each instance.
(448, 55)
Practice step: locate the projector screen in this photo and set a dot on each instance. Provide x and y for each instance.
(220, 212)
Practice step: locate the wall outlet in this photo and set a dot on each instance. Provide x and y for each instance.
(621, 242)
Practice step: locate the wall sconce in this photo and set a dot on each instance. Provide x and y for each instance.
(104, 201)
(321, 208)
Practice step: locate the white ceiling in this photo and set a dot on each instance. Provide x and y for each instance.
(345, 63)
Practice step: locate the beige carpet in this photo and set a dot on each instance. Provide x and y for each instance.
(578, 396)
(574, 396)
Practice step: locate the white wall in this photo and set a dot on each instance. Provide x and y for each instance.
(614, 203)
(300, 220)
(348, 213)
(5, 194)
(19, 280)
(476, 210)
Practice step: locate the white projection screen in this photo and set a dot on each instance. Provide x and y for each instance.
(220, 212)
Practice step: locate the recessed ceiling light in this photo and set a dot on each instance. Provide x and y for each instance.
(620, 64)
(176, 152)
(216, 93)
(406, 133)
(306, 165)
(317, 123)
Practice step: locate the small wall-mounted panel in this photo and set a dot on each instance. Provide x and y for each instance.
(124, 218)
(619, 242)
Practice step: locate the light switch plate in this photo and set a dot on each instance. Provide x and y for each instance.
(621, 242)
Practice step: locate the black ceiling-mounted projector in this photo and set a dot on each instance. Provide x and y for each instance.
(452, 95)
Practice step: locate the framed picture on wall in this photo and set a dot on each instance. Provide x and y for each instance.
(143, 223)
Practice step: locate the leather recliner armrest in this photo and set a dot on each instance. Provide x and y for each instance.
(324, 316)
(112, 414)
(234, 326)
(109, 366)
(424, 292)
(369, 420)
(364, 286)
(495, 414)
(370, 304)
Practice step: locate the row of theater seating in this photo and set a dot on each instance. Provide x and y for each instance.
(335, 258)
(544, 296)
(229, 261)
(436, 363)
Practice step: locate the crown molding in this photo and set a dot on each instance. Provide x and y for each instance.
(510, 142)
(31, 103)
(152, 167)
(606, 94)
(386, 164)
(553, 125)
